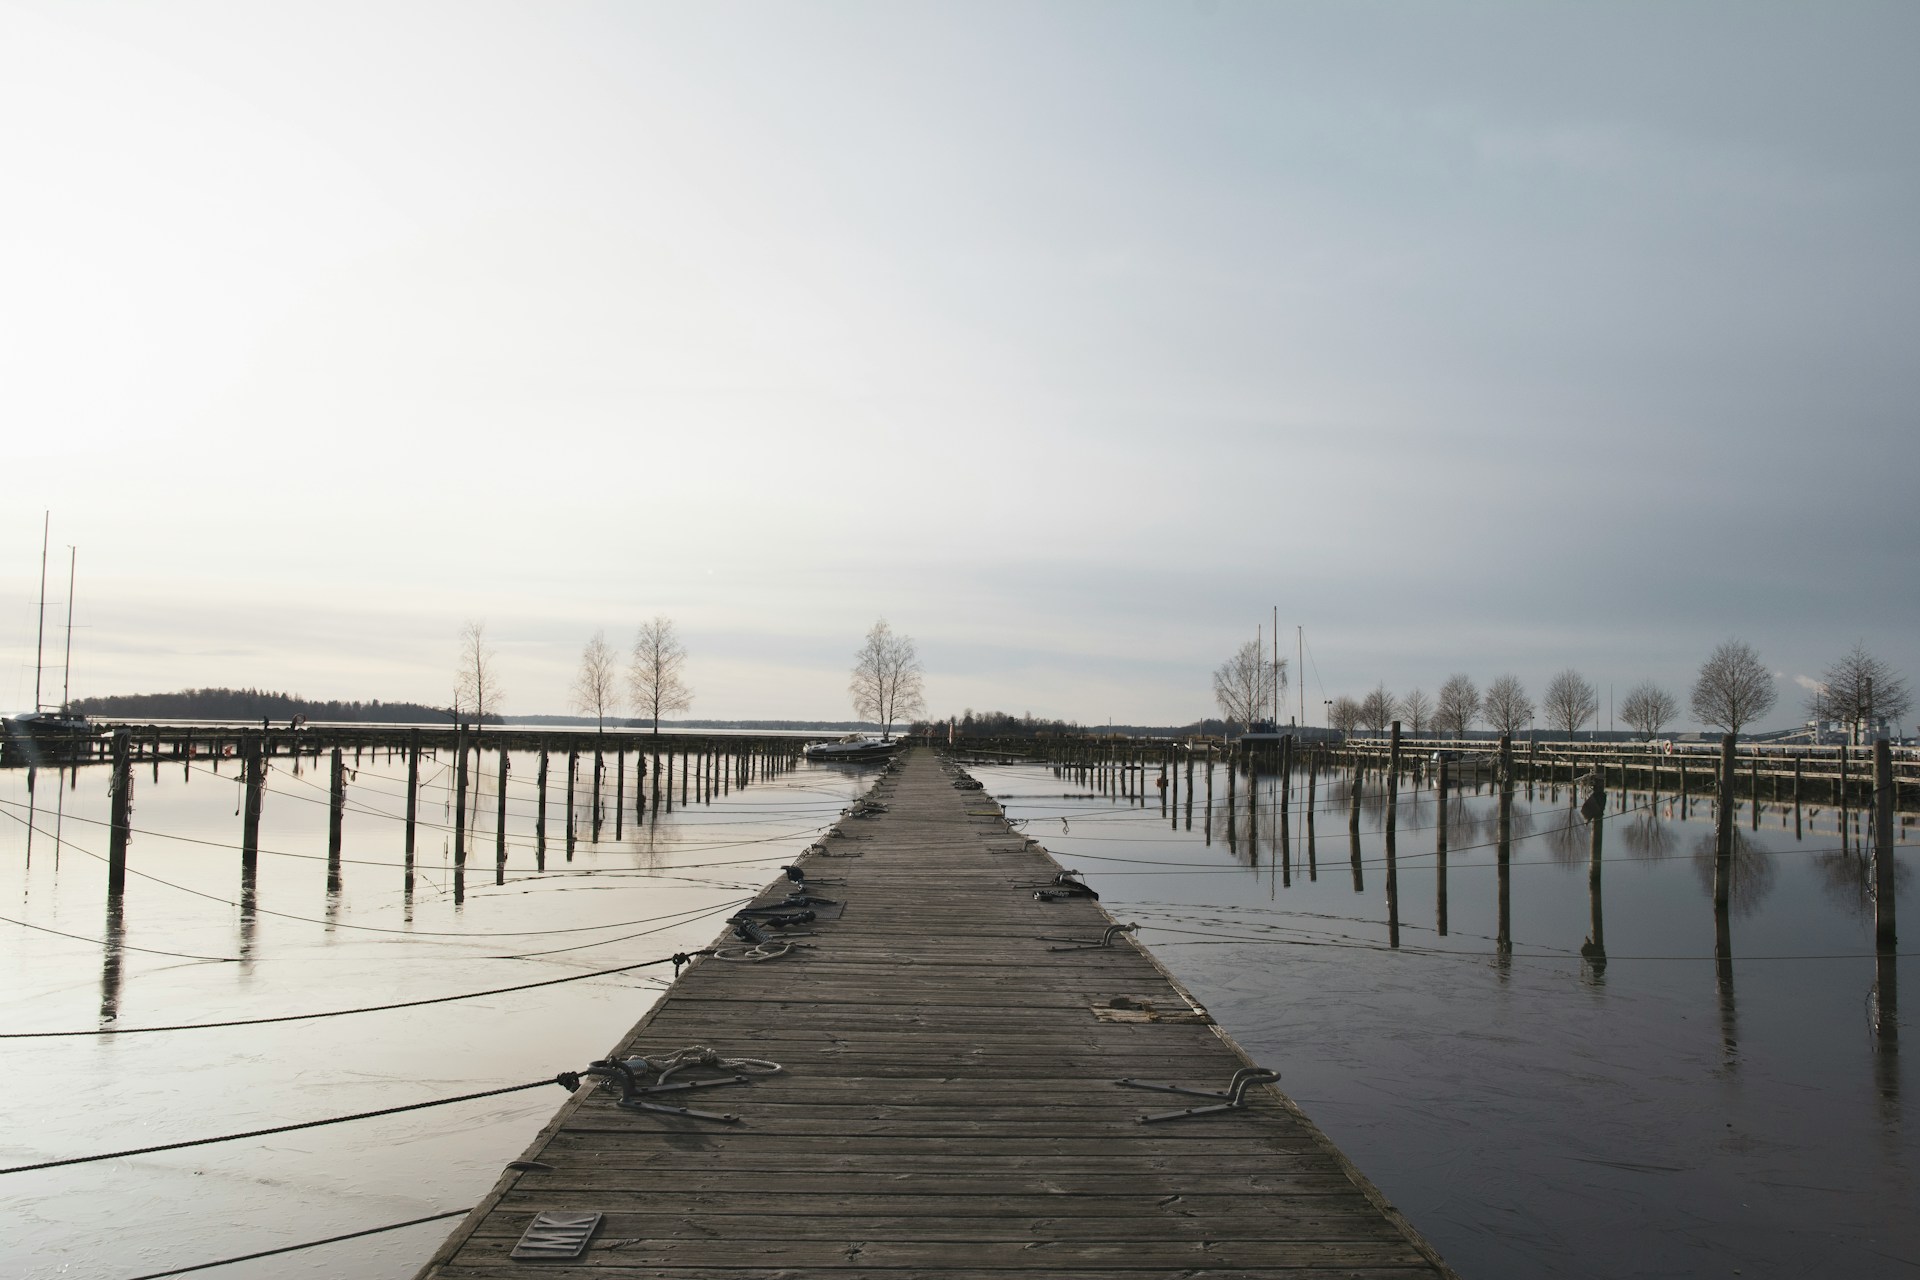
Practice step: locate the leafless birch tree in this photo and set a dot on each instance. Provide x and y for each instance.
(654, 684)
(1647, 708)
(1379, 709)
(1857, 689)
(1734, 688)
(1459, 706)
(886, 679)
(1344, 714)
(596, 690)
(1243, 685)
(1507, 707)
(1417, 710)
(1570, 701)
(476, 684)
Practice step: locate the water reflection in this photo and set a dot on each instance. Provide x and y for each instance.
(1751, 871)
(1643, 835)
(110, 960)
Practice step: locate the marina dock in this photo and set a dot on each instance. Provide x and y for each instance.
(951, 1030)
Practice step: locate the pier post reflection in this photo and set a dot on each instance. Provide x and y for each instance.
(110, 975)
(1722, 893)
(1593, 952)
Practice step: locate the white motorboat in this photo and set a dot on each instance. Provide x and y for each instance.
(854, 747)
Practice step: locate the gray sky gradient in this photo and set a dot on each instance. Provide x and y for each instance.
(1069, 337)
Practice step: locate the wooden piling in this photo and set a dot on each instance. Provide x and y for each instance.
(540, 816)
(413, 795)
(573, 778)
(1503, 862)
(1440, 849)
(1393, 861)
(460, 796)
(120, 817)
(1885, 932)
(500, 824)
(336, 815)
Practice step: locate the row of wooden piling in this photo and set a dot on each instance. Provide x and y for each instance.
(1121, 768)
(702, 767)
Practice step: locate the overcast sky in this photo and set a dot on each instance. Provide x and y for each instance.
(1071, 338)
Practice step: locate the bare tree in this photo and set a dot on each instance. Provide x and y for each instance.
(1344, 714)
(1569, 701)
(1417, 710)
(1734, 688)
(1243, 685)
(1507, 706)
(1379, 709)
(476, 684)
(1459, 706)
(886, 678)
(1857, 689)
(654, 685)
(596, 690)
(1647, 708)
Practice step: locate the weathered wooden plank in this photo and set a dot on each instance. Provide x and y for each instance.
(1063, 1223)
(614, 1251)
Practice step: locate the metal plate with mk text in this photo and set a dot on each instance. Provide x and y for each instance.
(557, 1234)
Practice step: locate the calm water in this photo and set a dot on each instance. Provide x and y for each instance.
(1540, 1114)
(661, 887)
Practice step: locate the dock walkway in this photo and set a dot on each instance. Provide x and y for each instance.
(948, 1107)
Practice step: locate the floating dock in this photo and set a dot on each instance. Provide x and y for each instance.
(948, 1105)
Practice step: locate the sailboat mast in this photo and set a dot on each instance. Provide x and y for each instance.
(1276, 668)
(1300, 667)
(66, 664)
(40, 644)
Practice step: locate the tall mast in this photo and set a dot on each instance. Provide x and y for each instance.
(40, 645)
(66, 665)
(1300, 668)
(1276, 668)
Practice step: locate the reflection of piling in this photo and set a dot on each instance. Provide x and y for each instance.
(1353, 799)
(1885, 934)
(1393, 818)
(121, 817)
(1440, 849)
(1594, 949)
(110, 961)
(1723, 830)
(1503, 943)
(1313, 778)
(500, 825)
(1353, 856)
(1189, 788)
(619, 791)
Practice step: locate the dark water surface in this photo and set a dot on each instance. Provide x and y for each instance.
(662, 886)
(1541, 1114)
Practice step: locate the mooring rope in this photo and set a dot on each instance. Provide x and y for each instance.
(560, 1080)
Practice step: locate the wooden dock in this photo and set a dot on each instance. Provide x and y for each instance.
(948, 1107)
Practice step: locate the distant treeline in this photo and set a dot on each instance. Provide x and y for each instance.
(256, 704)
(1003, 724)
